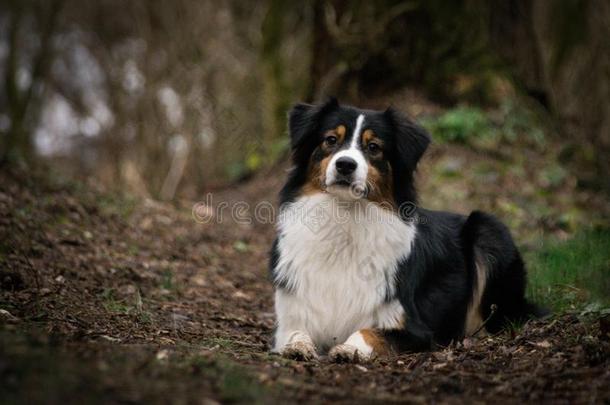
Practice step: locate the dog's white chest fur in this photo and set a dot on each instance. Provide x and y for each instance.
(337, 261)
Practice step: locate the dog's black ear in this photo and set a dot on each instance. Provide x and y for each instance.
(411, 142)
(304, 119)
(411, 139)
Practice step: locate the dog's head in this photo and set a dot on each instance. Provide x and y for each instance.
(354, 153)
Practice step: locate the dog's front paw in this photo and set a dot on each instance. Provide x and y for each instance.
(345, 353)
(299, 350)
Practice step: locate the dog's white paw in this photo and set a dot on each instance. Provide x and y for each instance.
(300, 350)
(346, 353)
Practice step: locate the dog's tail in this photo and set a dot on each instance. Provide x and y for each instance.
(498, 274)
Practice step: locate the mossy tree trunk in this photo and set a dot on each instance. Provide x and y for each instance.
(276, 90)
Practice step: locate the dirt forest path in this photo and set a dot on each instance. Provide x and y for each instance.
(109, 299)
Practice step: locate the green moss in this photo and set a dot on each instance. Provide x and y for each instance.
(167, 280)
(511, 122)
(220, 342)
(572, 274)
(122, 206)
(459, 125)
(116, 306)
(135, 308)
(233, 383)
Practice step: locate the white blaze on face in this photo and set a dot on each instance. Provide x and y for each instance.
(359, 176)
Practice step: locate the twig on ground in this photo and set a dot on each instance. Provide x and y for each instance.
(493, 308)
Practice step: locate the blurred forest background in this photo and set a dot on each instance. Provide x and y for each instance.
(170, 100)
(118, 117)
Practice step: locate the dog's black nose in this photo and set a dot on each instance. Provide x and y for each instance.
(346, 165)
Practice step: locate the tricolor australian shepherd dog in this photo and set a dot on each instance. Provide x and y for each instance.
(359, 269)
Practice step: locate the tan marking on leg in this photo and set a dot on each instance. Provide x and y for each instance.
(474, 320)
(374, 339)
(361, 346)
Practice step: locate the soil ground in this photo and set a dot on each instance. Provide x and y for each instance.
(110, 299)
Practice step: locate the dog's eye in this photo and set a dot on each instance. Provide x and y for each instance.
(330, 140)
(373, 147)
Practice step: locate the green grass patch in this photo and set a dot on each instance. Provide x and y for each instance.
(167, 280)
(133, 308)
(113, 304)
(233, 383)
(574, 274)
(512, 121)
(170, 284)
(220, 342)
(117, 204)
(459, 125)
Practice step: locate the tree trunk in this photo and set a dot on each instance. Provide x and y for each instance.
(561, 55)
(24, 104)
(277, 99)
